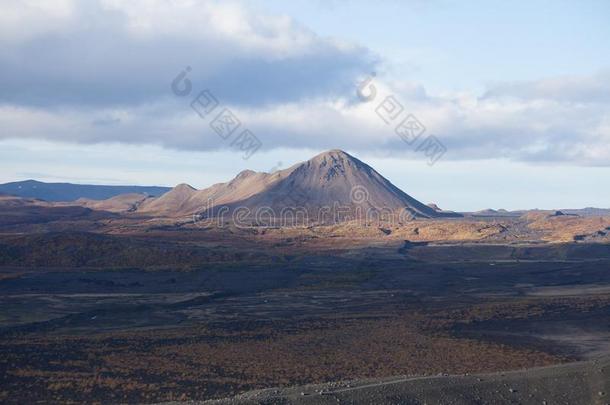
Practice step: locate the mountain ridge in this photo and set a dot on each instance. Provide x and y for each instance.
(333, 179)
(55, 192)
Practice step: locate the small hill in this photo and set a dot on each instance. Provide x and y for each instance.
(172, 203)
(120, 203)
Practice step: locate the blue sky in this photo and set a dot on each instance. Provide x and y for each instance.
(517, 92)
(453, 45)
(457, 45)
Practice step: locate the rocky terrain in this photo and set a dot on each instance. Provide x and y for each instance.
(589, 382)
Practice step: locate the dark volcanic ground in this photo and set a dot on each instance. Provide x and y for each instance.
(588, 382)
(134, 335)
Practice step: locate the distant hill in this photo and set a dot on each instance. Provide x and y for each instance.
(489, 212)
(329, 180)
(72, 192)
(583, 212)
(588, 212)
(120, 203)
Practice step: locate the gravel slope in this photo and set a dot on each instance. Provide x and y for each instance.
(584, 383)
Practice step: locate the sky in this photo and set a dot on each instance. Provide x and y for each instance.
(514, 96)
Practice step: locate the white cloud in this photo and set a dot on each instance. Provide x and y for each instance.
(577, 89)
(274, 36)
(471, 128)
(99, 71)
(21, 20)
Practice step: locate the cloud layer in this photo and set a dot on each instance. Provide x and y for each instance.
(104, 53)
(100, 71)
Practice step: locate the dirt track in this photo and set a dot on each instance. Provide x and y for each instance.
(584, 383)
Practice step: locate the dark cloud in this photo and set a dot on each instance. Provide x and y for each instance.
(101, 62)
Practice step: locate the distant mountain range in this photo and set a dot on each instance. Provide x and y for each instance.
(583, 212)
(332, 180)
(72, 192)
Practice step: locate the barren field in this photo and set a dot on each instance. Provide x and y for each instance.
(75, 334)
(588, 383)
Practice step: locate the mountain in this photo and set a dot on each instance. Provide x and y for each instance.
(72, 192)
(177, 201)
(184, 200)
(333, 183)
